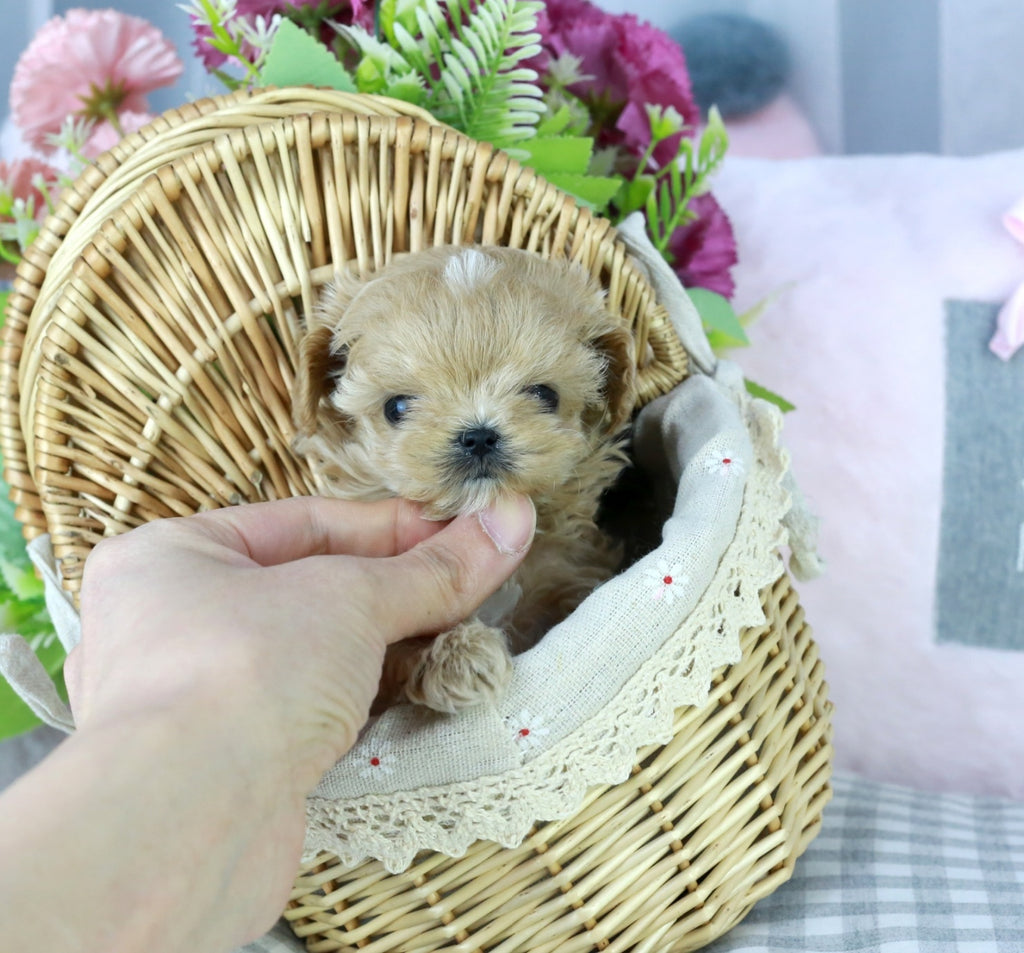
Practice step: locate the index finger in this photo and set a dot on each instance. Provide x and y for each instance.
(281, 531)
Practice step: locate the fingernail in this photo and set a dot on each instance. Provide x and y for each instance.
(510, 522)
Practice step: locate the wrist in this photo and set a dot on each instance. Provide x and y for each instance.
(160, 826)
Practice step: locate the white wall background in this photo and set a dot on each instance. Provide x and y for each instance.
(872, 75)
(892, 75)
(982, 56)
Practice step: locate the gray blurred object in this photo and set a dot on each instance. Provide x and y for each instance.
(736, 62)
(19, 754)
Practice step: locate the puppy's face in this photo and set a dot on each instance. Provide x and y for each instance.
(462, 374)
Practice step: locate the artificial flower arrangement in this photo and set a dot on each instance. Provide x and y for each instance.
(597, 103)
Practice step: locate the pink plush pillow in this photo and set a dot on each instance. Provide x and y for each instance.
(882, 277)
(780, 130)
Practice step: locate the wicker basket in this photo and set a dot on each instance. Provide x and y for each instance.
(149, 354)
(180, 265)
(668, 860)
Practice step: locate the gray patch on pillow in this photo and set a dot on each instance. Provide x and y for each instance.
(980, 578)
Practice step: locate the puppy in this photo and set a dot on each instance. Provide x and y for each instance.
(454, 376)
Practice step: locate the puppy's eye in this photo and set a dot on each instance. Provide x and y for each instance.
(548, 396)
(395, 408)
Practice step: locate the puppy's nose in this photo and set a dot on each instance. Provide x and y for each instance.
(479, 441)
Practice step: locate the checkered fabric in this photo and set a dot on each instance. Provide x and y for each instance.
(899, 871)
(893, 871)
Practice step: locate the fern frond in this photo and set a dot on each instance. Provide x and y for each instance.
(483, 89)
(411, 50)
(392, 12)
(461, 59)
(435, 34)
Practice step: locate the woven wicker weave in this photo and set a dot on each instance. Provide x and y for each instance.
(148, 356)
(140, 330)
(667, 860)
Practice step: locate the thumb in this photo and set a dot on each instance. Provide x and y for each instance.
(446, 578)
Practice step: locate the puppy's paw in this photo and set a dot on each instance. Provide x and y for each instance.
(465, 666)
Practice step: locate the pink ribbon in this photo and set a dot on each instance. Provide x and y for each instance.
(1009, 334)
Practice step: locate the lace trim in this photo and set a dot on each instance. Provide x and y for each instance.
(502, 808)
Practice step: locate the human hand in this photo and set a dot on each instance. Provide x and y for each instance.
(285, 606)
(241, 649)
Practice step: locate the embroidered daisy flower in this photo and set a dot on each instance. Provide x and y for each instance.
(379, 762)
(667, 581)
(96, 64)
(723, 464)
(529, 730)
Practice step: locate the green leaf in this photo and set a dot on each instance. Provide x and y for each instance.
(718, 315)
(756, 390)
(12, 543)
(21, 579)
(369, 76)
(665, 121)
(4, 295)
(720, 342)
(555, 123)
(409, 89)
(714, 142)
(634, 195)
(22, 610)
(392, 13)
(15, 716)
(590, 190)
(227, 79)
(552, 154)
(405, 43)
(297, 59)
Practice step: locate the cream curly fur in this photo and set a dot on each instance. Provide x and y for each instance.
(402, 376)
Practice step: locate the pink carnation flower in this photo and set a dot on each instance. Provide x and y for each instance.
(89, 63)
(18, 177)
(104, 136)
(631, 64)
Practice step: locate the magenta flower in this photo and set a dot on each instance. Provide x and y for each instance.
(95, 64)
(630, 64)
(704, 251)
(310, 14)
(627, 66)
(249, 9)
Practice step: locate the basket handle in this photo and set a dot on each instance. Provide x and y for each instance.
(670, 292)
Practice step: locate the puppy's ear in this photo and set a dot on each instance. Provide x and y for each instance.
(319, 368)
(618, 348)
(323, 354)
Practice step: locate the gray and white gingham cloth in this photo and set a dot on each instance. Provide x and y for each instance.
(898, 871)
(893, 871)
